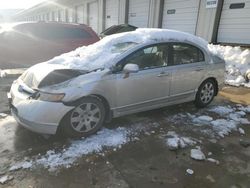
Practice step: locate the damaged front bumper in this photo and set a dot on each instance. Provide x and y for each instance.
(38, 116)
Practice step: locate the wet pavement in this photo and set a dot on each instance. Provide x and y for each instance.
(144, 161)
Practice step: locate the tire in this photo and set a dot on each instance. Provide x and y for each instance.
(85, 119)
(205, 93)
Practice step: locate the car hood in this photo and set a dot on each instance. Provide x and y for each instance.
(43, 75)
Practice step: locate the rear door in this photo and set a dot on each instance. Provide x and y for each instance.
(188, 68)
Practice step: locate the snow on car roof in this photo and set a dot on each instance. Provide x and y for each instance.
(101, 54)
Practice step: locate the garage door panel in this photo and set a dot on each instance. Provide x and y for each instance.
(228, 2)
(138, 12)
(93, 15)
(80, 14)
(234, 24)
(112, 13)
(176, 15)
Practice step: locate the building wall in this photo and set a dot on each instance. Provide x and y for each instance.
(207, 22)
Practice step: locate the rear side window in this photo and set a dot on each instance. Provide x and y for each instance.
(185, 54)
(52, 32)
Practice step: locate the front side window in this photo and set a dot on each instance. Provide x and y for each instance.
(147, 58)
(186, 54)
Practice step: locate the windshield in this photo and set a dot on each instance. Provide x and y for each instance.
(122, 47)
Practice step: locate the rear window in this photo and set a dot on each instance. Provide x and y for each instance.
(112, 30)
(52, 32)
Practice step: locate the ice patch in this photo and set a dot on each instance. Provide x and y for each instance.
(221, 110)
(202, 119)
(244, 109)
(241, 131)
(238, 118)
(176, 142)
(213, 161)
(223, 127)
(190, 171)
(197, 154)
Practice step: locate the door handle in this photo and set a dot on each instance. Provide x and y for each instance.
(163, 74)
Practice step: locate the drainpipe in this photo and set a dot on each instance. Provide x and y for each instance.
(217, 21)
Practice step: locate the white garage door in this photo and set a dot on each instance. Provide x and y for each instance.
(79, 14)
(93, 15)
(112, 13)
(70, 15)
(235, 22)
(138, 12)
(181, 15)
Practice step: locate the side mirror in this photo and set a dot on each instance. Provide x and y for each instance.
(131, 68)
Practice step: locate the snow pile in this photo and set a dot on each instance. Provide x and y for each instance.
(2, 73)
(93, 144)
(22, 165)
(5, 179)
(3, 115)
(237, 64)
(175, 142)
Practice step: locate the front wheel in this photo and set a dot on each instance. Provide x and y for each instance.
(205, 93)
(85, 119)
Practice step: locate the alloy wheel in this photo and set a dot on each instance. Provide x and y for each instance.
(207, 93)
(85, 117)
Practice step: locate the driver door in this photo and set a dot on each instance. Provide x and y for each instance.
(147, 88)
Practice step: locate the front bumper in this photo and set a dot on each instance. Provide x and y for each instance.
(38, 116)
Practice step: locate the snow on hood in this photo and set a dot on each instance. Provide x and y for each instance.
(101, 54)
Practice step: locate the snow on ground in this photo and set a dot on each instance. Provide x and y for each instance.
(237, 64)
(93, 144)
(197, 154)
(106, 138)
(222, 110)
(227, 119)
(175, 141)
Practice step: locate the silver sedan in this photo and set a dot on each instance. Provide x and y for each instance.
(137, 73)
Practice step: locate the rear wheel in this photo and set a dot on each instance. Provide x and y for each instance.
(205, 93)
(85, 119)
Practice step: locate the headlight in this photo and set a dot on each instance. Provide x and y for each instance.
(51, 97)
